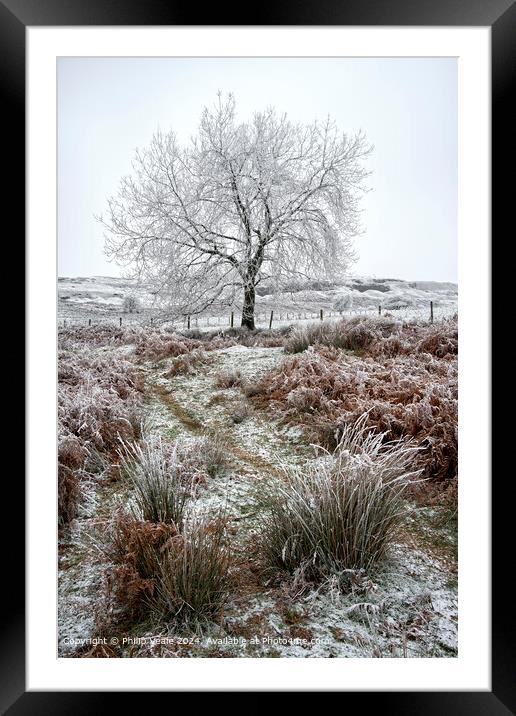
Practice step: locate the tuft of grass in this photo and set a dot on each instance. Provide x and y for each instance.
(161, 485)
(204, 455)
(135, 548)
(192, 583)
(379, 336)
(340, 513)
(179, 576)
(168, 562)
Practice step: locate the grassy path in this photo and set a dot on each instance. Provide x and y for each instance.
(256, 447)
(407, 608)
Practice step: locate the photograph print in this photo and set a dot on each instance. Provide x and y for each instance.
(257, 357)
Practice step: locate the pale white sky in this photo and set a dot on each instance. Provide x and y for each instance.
(407, 108)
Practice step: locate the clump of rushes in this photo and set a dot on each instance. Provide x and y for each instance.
(303, 337)
(170, 575)
(340, 512)
(168, 561)
(192, 583)
(161, 487)
(379, 336)
(134, 547)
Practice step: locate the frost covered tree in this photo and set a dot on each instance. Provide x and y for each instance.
(131, 304)
(242, 202)
(344, 302)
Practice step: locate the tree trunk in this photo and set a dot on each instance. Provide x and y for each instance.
(248, 307)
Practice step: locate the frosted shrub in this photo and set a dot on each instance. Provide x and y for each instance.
(344, 302)
(131, 304)
(98, 417)
(356, 334)
(378, 336)
(98, 335)
(338, 513)
(441, 340)
(71, 457)
(113, 374)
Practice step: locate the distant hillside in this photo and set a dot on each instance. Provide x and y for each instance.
(103, 297)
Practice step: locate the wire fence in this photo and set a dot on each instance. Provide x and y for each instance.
(431, 312)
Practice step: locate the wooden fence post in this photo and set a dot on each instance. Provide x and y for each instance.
(270, 322)
(89, 321)
(120, 321)
(231, 322)
(431, 311)
(321, 315)
(188, 322)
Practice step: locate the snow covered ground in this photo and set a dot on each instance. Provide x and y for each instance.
(100, 299)
(407, 608)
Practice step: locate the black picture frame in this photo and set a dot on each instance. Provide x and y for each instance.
(500, 15)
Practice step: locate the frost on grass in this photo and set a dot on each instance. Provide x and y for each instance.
(406, 607)
(324, 389)
(407, 610)
(80, 580)
(339, 513)
(378, 336)
(99, 402)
